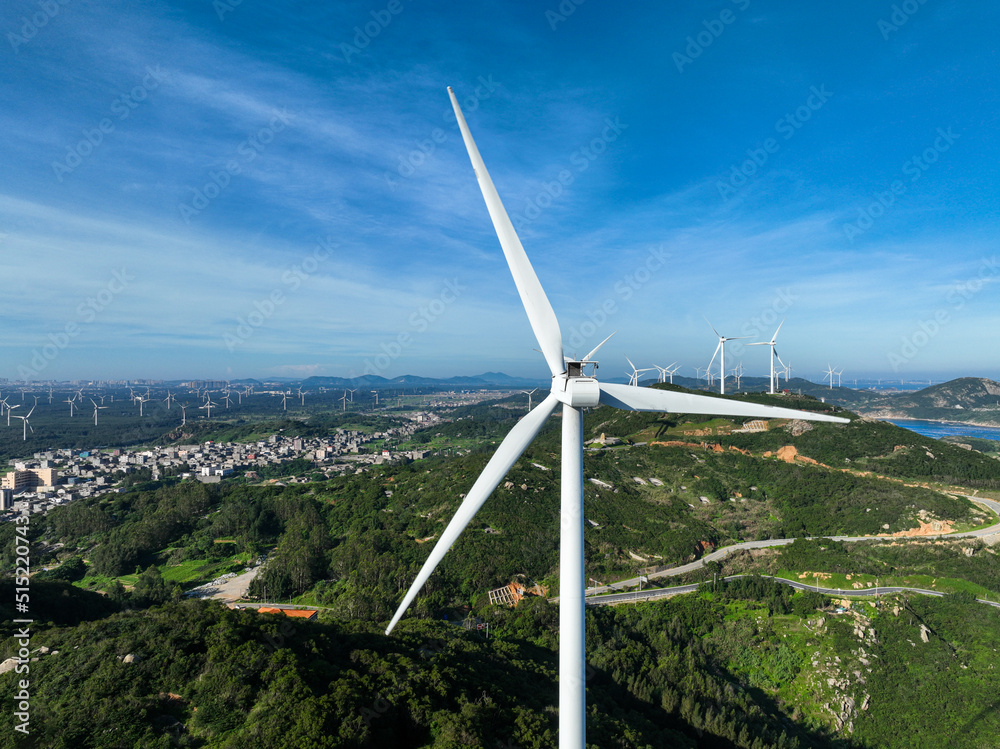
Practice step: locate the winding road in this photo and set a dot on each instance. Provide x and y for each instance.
(726, 550)
(649, 595)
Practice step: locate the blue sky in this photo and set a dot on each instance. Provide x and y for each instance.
(248, 189)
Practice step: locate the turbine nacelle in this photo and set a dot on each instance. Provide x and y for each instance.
(577, 390)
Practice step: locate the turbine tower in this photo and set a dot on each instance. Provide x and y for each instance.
(722, 361)
(774, 355)
(574, 389)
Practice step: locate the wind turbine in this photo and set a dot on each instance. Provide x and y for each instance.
(738, 374)
(574, 390)
(528, 393)
(839, 372)
(11, 408)
(352, 392)
(284, 401)
(774, 354)
(664, 371)
(168, 399)
(71, 401)
(184, 413)
(343, 399)
(96, 409)
(672, 372)
(830, 373)
(633, 377)
(208, 404)
(722, 361)
(376, 397)
(27, 426)
(140, 400)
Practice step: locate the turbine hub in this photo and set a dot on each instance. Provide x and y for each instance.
(576, 390)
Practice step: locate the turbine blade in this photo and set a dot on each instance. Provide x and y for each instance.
(777, 331)
(597, 347)
(717, 347)
(712, 327)
(648, 399)
(506, 455)
(536, 304)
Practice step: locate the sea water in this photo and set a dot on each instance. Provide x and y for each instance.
(939, 429)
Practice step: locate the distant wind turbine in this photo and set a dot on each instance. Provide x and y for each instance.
(96, 409)
(71, 401)
(774, 355)
(722, 361)
(27, 426)
(574, 390)
(529, 393)
(633, 376)
(830, 373)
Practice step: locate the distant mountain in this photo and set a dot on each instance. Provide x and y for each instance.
(485, 380)
(971, 399)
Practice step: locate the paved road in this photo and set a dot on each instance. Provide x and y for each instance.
(725, 550)
(649, 595)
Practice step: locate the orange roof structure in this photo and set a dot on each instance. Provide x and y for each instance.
(292, 613)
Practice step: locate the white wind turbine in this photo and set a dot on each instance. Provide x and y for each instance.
(672, 372)
(722, 361)
(96, 409)
(830, 373)
(664, 371)
(71, 401)
(184, 413)
(633, 376)
(11, 408)
(27, 426)
(774, 355)
(140, 400)
(168, 399)
(529, 393)
(574, 390)
(208, 404)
